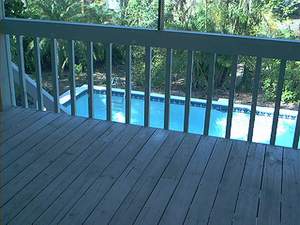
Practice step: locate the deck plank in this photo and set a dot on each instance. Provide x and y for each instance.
(159, 198)
(57, 169)
(26, 134)
(103, 185)
(270, 200)
(20, 124)
(247, 204)
(23, 178)
(38, 151)
(120, 150)
(44, 170)
(138, 195)
(208, 186)
(291, 187)
(25, 146)
(67, 168)
(225, 202)
(179, 205)
(121, 190)
(10, 114)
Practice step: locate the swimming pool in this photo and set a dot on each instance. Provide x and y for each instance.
(240, 122)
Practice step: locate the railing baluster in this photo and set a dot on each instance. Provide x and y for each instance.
(188, 90)
(148, 60)
(54, 63)
(38, 73)
(254, 97)
(297, 130)
(7, 88)
(231, 96)
(108, 66)
(90, 72)
(211, 75)
(128, 85)
(72, 77)
(277, 101)
(168, 88)
(20, 50)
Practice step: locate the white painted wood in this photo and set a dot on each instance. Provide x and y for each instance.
(20, 53)
(148, 68)
(231, 96)
(38, 74)
(7, 92)
(277, 102)
(108, 67)
(210, 90)
(32, 90)
(128, 85)
(208, 42)
(72, 77)
(188, 91)
(297, 131)
(90, 72)
(255, 87)
(169, 64)
(54, 64)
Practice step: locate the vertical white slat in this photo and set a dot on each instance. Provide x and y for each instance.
(21, 65)
(38, 73)
(277, 101)
(297, 130)
(128, 85)
(255, 87)
(148, 68)
(188, 90)
(108, 68)
(169, 64)
(54, 63)
(72, 77)
(210, 89)
(90, 72)
(7, 90)
(231, 96)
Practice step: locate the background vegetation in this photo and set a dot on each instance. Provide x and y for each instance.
(243, 17)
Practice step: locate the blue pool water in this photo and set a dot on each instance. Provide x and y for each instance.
(262, 128)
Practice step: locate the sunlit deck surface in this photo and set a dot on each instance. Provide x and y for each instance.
(58, 169)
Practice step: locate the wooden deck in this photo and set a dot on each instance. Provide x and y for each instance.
(58, 169)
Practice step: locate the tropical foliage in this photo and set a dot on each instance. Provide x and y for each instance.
(243, 17)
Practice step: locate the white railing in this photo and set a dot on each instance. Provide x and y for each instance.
(213, 44)
(32, 91)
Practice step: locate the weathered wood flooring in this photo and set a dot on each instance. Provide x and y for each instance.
(58, 169)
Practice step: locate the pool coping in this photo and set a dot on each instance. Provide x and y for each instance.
(221, 104)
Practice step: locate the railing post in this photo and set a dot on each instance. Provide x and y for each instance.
(297, 130)
(7, 93)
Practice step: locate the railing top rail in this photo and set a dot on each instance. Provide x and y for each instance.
(207, 42)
